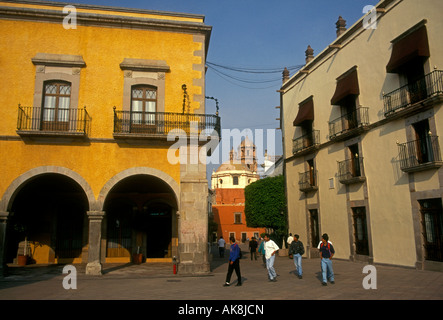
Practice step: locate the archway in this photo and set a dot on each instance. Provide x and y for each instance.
(47, 220)
(140, 218)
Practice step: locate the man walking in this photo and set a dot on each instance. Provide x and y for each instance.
(253, 248)
(271, 249)
(297, 250)
(326, 253)
(234, 263)
(221, 247)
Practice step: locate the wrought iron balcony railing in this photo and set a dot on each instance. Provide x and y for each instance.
(349, 123)
(351, 170)
(411, 93)
(58, 122)
(162, 123)
(308, 181)
(420, 154)
(306, 141)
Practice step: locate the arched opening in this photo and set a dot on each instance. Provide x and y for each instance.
(48, 221)
(140, 219)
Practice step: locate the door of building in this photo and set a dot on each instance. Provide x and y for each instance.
(432, 224)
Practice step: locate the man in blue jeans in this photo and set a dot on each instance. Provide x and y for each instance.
(271, 248)
(296, 249)
(326, 253)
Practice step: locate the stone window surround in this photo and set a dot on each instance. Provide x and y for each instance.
(57, 67)
(147, 72)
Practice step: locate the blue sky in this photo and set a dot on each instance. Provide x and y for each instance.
(256, 34)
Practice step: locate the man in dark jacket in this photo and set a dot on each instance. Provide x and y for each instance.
(253, 248)
(297, 250)
(234, 263)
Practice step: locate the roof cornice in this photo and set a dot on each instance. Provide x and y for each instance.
(106, 8)
(103, 20)
(336, 45)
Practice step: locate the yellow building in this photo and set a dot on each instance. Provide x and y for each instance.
(361, 124)
(89, 95)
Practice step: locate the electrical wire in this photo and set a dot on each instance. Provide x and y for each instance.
(223, 72)
(254, 70)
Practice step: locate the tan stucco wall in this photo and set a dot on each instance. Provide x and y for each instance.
(386, 189)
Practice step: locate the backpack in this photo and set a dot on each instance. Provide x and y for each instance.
(329, 247)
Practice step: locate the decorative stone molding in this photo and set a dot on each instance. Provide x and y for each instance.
(144, 65)
(144, 71)
(59, 60)
(50, 66)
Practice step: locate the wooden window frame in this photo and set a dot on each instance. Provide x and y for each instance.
(148, 120)
(57, 123)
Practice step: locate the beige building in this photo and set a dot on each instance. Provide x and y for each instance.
(360, 123)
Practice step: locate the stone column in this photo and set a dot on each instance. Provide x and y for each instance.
(94, 266)
(3, 223)
(193, 216)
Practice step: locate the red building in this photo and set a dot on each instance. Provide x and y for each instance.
(228, 183)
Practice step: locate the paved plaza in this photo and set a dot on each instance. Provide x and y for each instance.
(157, 282)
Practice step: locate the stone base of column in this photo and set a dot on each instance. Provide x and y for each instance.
(193, 268)
(94, 269)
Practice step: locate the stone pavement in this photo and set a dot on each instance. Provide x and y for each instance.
(157, 282)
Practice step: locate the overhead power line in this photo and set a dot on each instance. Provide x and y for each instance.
(230, 74)
(254, 70)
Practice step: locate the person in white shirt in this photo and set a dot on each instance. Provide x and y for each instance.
(290, 239)
(221, 246)
(271, 249)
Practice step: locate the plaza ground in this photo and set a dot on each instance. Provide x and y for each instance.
(157, 282)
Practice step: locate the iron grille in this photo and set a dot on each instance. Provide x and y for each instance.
(411, 93)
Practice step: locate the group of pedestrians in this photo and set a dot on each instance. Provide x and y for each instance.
(268, 248)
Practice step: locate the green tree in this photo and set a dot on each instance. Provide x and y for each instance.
(265, 204)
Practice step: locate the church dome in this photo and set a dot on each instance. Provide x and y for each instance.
(229, 166)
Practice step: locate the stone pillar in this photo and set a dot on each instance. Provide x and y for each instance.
(3, 223)
(193, 215)
(94, 266)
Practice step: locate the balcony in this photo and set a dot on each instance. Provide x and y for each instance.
(306, 143)
(420, 155)
(157, 125)
(54, 123)
(350, 124)
(414, 97)
(351, 171)
(308, 181)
